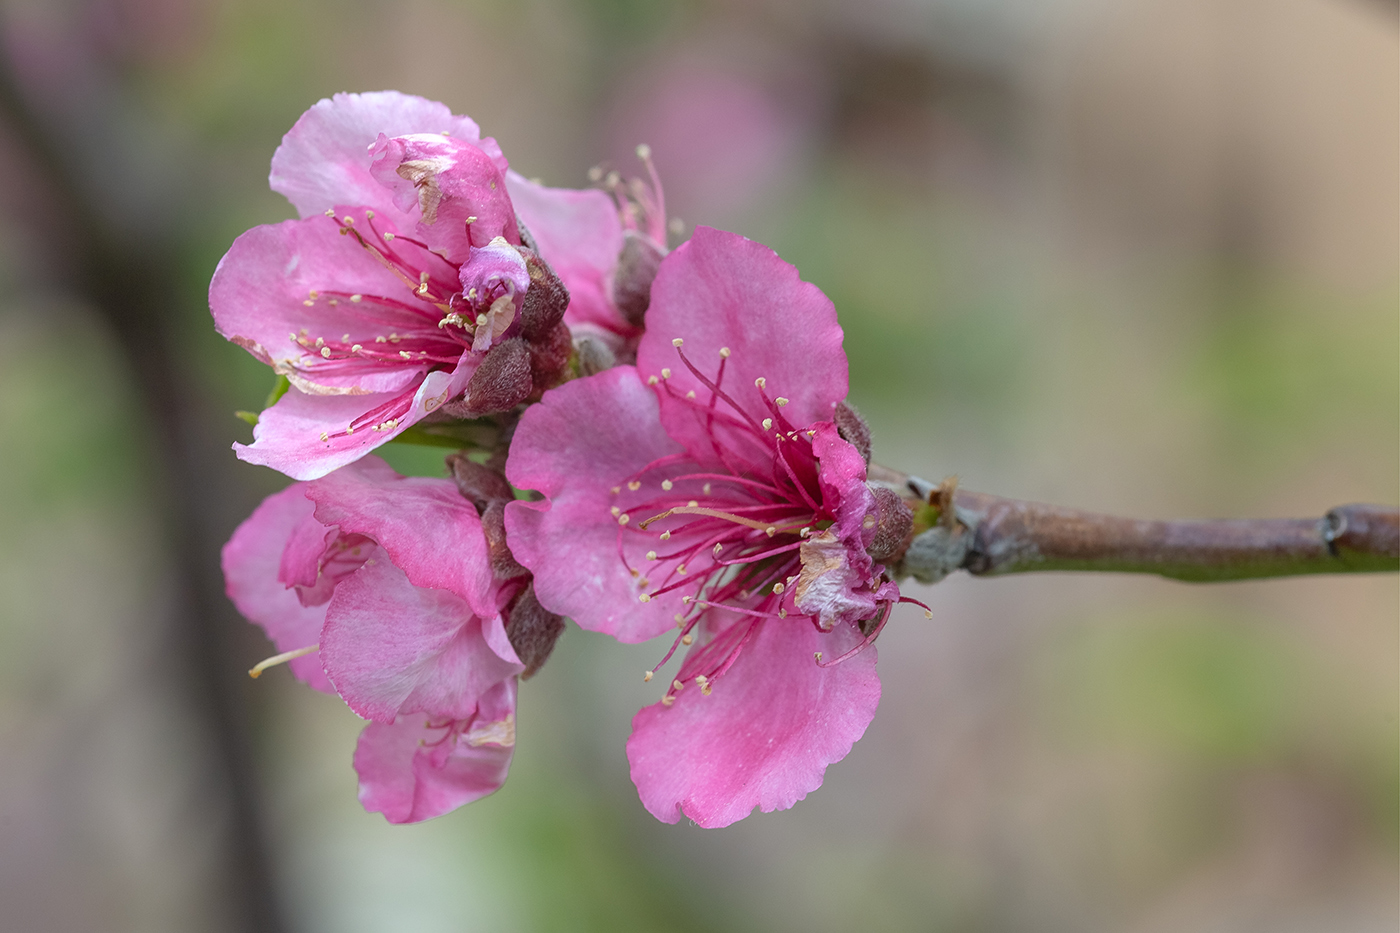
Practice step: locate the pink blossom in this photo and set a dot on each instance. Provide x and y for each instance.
(381, 301)
(387, 581)
(708, 491)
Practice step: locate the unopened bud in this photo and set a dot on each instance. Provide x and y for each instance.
(480, 485)
(532, 630)
(504, 566)
(636, 269)
(594, 356)
(501, 382)
(549, 357)
(852, 428)
(894, 521)
(545, 301)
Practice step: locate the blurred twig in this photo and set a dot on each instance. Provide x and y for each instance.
(129, 278)
(989, 535)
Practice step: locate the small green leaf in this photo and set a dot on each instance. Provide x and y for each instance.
(279, 389)
(249, 416)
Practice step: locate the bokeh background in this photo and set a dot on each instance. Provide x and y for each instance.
(1131, 255)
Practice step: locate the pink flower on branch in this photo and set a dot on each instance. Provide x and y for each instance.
(709, 492)
(381, 589)
(404, 273)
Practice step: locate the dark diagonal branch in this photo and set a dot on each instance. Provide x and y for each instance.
(990, 535)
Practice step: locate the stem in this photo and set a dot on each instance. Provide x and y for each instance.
(989, 535)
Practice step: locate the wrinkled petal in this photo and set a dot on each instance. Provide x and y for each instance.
(764, 737)
(272, 294)
(583, 439)
(324, 159)
(457, 190)
(580, 236)
(393, 648)
(431, 532)
(288, 436)
(829, 588)
(719, 290)
(251, 561)
(411, 770)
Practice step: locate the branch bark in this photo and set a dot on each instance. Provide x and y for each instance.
(989, 535)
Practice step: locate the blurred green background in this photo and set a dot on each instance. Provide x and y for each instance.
(1139, 257)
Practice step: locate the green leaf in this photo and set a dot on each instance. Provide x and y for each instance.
(249, 416)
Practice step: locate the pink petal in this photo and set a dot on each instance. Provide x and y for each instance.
(766, 734)
(584, 438)
(410, 771)
(392, 648)
(454, 190)
(262, 299)
(251, 561)
(287, 437)
(720, 290)
(431, 532)
(841, 472)
(324, 159)
(580, 236)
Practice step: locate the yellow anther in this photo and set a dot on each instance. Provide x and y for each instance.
(778, 588)
(690, 394)
(782, 613)
(767, 423)
(692, 503)
(615, 511)
(724, 352)
(634, 485)
(687, 638)
(818, 656)
(760, 382)
(616, 490)
(623, 519)
(666, 373)
(770, 531)
(677, 686)
(780, 401)
(644, 598)
(666, 484)
(651, 555)
(652, 380)
(357, 298)
(357, 348)
(325, 436)
(388, 235)
(667, 700)
(326, 352)
(718, 548)
(644, 152)
(680, 569)
(677, 342)
(646, 678)
(705, 489)
(686, 600)
(928, 613)
(665, 536)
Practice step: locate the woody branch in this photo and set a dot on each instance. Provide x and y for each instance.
(989, 535)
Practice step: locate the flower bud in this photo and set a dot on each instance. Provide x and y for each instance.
(501, 382)
(532, 630)
(480, 485)
(636, 269)
(493, 524)
(549, 357)
(895, 522)
(852, 428)
(594, 356)
(545, 301)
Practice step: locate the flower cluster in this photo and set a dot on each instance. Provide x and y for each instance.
(678, 421)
